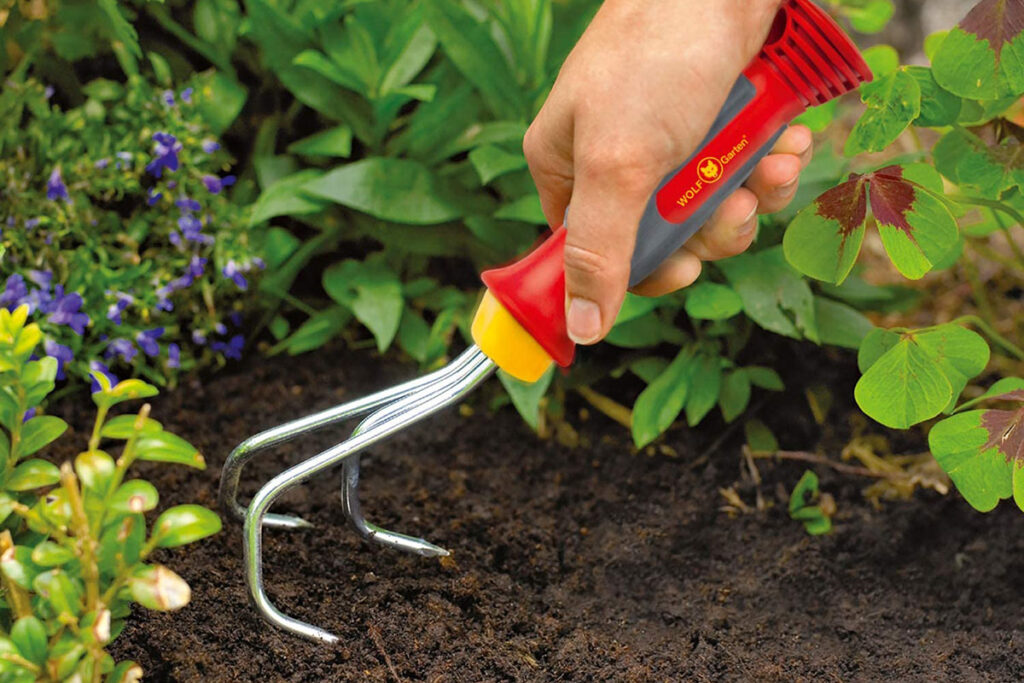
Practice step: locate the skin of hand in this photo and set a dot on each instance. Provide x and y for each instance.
(632, 101)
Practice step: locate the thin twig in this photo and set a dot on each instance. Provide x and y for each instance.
(804, 456)
(613, 409)
(378, 640)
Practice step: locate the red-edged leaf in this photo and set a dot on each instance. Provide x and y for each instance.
(983, 57)
(997, 21)
(1005, 432)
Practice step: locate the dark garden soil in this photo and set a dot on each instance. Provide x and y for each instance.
(574, 564)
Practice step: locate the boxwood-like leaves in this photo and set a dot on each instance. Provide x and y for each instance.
(916, 227)
(983, 57)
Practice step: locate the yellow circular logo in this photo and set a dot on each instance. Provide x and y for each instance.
(710, 169)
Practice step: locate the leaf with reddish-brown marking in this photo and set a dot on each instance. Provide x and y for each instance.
(988, 160)
(983, 57)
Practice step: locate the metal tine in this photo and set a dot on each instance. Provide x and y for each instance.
(350, 485)
(400, 414)
(245, 451)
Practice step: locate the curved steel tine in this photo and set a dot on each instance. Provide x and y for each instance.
(245, 451)
(405, 412)
(350, 486)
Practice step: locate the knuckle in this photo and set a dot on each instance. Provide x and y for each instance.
(627, 166)
(582, 260)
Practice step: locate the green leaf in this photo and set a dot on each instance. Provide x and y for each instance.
(29, 635)
(56, 587)
(774, 295)
(971, 448)
(122, 29)
(870, 16)
(939, 107)
(705, 385)
(916, 227)
(409, 46)
(982, 58)
(220, 100)
(711, 301)
(903, 387)
(19, 567)
(960, 354)
(989, 168)
(661, 402)
(33, 474)
(184, 524)
(893, 101)
(333, 142)
(158, 588)
(765, 378)
(372, 292)
(526, 209)
(1006, 385)
(125, 672)
(50, 554)
(820, 117)
(167, 447)
(316, 331)
(882, 59)
(329, 69)
(645, 331)
(491, 161)
(814, 519)
(38, 432)
(526, 396)
(287, 197)
(126, 426)
(135, 496)
(95, 470)
(125, 390)
(735, 395)
(400, 190)
(840, 325)
(759, 438)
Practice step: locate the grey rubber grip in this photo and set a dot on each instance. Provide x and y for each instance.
(657, 238)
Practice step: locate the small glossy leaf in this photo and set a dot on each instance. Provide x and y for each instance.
(125, 672)
(711, 301)
(60, 590)
(126, 390)
(959, 353)
(167, 447)
(124, 426)
(29, 635)
(33, 474)
(50, 554)
(661, 402)
(183, 524)
(38, 432)
(400, 190)
(814, 519)
(526, 396)
(765, 378)
(135, 496)
(94, 470)
(17, 565)
(158, 588)
(121, 544)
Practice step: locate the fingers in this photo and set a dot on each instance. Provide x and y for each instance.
(548, 151)
(729, 232)
(776, 177)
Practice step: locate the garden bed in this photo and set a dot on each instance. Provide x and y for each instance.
(587, 563)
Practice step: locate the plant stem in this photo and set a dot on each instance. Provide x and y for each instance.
(613, 409)
(86, 542)
(17, 597)
(94, 439)
(804, 456)
(999, 339)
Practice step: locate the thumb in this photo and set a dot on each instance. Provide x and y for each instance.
(608, 201)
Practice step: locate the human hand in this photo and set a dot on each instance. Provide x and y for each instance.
(632, 101)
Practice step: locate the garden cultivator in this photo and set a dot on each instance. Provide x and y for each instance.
(520, 325)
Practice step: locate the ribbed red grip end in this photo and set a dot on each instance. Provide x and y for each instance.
(533, 291)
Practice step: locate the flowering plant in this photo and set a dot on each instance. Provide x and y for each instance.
(117, 232)
(73, 559)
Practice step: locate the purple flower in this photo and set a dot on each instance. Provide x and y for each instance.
(96, 367)
(124, 159)
(215, 184)
(168, 97)
(48, 92)
(153, 197)
(31, 223)
(101, 163)
(210, 146)
(231, 349)
(187, 204)
(220, 328)
(164, 304)
(42, 278)
(186, 95)
(62, 353)
(196, 267)
(259, 263)
(29, 414)
(166, 148)
(55, 187)
(198, 337)
(66, 311)
(147, 341)
(235, 318)
(190, 227)
(232, 272)
(14, 291)
(116, 309)
(173, 355)
(121, 347)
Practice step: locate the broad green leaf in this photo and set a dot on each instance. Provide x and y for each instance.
(874, 346)
(711, 301)
(183, 524)
(735, 395)
(983, 57)
(959, 353)
(287, 197)
(916, 227)
(765, 378)
(893, 101)
(978, 450)
(839, 324)
(491, 161)
(400, 190)
(220, 99)
(409, 47)
(635, 306)
(38, 432)
(648, 368)
(333, 142)
(820, 117)
(705, 386)
(94, 470)
(372, 292)
(125, 390)
(814, 519)
(126, 426)
(881, 59)
(57, 588)
(774, 295)
(167, 447)
(33, 474)
(315, 332)
(903, 387)
(329, 69)
(526, 209)
(939, 107)
(661, 402)
(645, 331)
(125, 672)
(526, 396)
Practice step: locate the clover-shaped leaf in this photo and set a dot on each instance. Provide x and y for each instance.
(984, 159)
(982, 450)
(916, 227)
(893, 101)
(983, 57)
